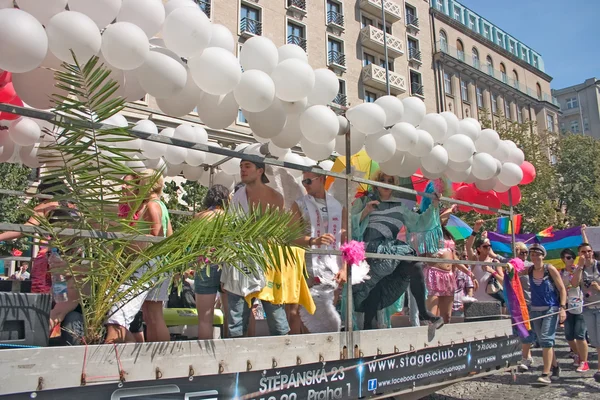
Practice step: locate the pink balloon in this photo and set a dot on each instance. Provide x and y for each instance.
(5, 77)
(489, 199)
(466, 193)
(7, 93)
(528, 173)
(516, 196)
(16, 101)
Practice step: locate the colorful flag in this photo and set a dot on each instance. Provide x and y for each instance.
(458, 228)
(515, 302)
(505, 227)
(546, 233)
(564, 239)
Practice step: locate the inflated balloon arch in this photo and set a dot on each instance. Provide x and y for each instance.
(175, 54)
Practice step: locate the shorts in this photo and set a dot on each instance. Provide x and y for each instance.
(137, 325)
(575, 327)
(545, 327)
(124, 312)
(205, 284)
(440, 282)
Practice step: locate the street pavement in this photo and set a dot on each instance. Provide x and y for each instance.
(570, 385)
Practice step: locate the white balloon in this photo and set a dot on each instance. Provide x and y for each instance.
(460, 166)
(290, 135)
(326, 87)
(218, 112)
(484, 166)
(172, 170)
(486, 185)
(294, 107)
(414, 110)
(29, 156)
(457, 176)
(161, 76)
(293, 158)
(436, 161)
(73, 31)
(118, 120)
(516, 155)
(381, 146)
(195, 158)
(221, 178)
(424, 144)
(268, 123)
(277, 152)
(473, 121)
(174, 154)
(460, 147)
(326, 165)
(24, 132)
(317, 151)
(173, 5)
(297, 88)
(41, 10)
(153, 150)
(260, 139)
(212, 158)
(256, 90)
(155, 164)
(6, 151)
(319, 124)
(467, 127)
(221, 37)
(498, 167)
(502, 151)
(182, 103)
(36, 87)
(292, 51)
(500, 187)
(124, 45)
(149, 15)
(147, 126)
(132, 90)
(231, 167)
(357, 141)
(23, 41)
(451, 121)
(406, 136)
(368, 118)
(192, 172)
(511, 174)
(436, 125)
(259, 53)
(6, 4)
(102, 12)
(488, 141)
(187, 31)
(393, 107)
(216, 71)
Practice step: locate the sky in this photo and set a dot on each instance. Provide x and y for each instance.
(565, 33)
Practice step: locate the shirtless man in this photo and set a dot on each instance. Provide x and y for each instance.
(254, 194)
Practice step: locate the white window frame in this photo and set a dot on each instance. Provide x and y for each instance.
(487, 31)
(338, 2)
(519, 114)
(440, 5)
(586, 124)
(479, 95)
(375, 58)
(239, 17)
(336, 39)
(572, 103)
(410, 82)
(574, 125)
(406, 6)
(447, 83)
(506, 108)
(457, 10)
(550, 122)
(365, 96)
(472, 23)
(494, 103)
(464, 90)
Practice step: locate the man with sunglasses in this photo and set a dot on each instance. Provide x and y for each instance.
(587, 277)
(325, 221)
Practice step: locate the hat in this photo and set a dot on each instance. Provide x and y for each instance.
(263, 177)
(538, 247)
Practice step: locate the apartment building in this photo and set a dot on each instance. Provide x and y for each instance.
(478, 66)
(580, 106)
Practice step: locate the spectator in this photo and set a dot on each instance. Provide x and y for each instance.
(483, 273)
(22, 274)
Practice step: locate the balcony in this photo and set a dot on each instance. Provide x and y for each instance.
(336, 60)
(414, 55)
(250, 27)
(374, 76)
(443, 50)
(335, 20)
(412, 23)
(340, 100)
(204, 6)
(416, 89)
(297, 40)
(372, 38)
(297, 7)
(393, 11)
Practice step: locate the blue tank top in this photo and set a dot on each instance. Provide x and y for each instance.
(543, 291)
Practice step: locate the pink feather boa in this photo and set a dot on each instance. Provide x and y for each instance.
(353, 252)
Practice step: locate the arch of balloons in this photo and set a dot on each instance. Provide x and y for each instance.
(174, 53)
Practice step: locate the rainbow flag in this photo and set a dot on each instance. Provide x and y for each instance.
(504, 226)
(515, 302)
(458, 228)
(546, 233)
(564, 239)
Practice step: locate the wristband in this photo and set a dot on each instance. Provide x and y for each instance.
(474, 234)
(310, 241)
(564, 307)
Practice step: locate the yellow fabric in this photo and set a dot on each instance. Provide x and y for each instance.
(287, 285)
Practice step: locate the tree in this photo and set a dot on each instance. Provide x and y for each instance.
(12, 209)
(192, 193)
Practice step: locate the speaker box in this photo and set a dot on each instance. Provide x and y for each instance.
(482, 311)
(24, 319)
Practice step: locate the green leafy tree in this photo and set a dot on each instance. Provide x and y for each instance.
(12, 208)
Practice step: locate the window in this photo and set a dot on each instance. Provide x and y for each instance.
(499, 39)
(411, 14)
(535, 61)
(367, 21)
(447, 83)
(486, 31)
(250, 21)
(241, 119)
(539, 91)
(494, 103)
(416, 84)
(460, 50)
(506, 108)
(550, 122)
(586, 125)
(503, 73)
(333, 6)
(490, 65)
(457, 14)
(388, 28)
(335, 52)
(475, 58)
(296, 35)
(572, 103)
(464, 90)
(479, 97)
(575, 126)
(370, 97)
(511, 46)
(413, 49)
(443, 42)
(472, 23)
(340, 99)
(368, 59)
(440, 5)
(390, 64)
(519, 114)
(334, 13)
(516, 79)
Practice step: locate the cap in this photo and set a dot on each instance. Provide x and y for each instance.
(263, 177)
(538, 247)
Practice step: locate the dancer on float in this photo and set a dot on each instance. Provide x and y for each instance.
(377, 219)
(325, 220)
(255, 194)
(154, 212)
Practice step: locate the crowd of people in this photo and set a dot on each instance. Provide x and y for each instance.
(387, 225)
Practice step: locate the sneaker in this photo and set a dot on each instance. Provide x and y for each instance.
(556, 371)
(545, 379)
(583, 367)
(437, 322)
(525, 364)
(576, 361)
(597, 376)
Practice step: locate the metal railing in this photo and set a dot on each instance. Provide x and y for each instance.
(301, 4)
(335, 18)
(416, 88)
(411, 20)
(251, 26)
(414, 54)
(297, 40)
(337, 58)
(204, 6)
(340, 100)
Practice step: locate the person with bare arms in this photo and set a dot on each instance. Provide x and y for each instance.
(255, 194)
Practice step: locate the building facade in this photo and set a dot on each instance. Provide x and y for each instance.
(481, 69)
(580, 105)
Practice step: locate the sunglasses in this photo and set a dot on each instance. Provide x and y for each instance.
(389, 181)
(486, 246)
(523, 253)
(568, 258)
(539, 253)
(309, 181)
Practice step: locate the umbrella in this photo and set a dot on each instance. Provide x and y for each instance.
(458, 228)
